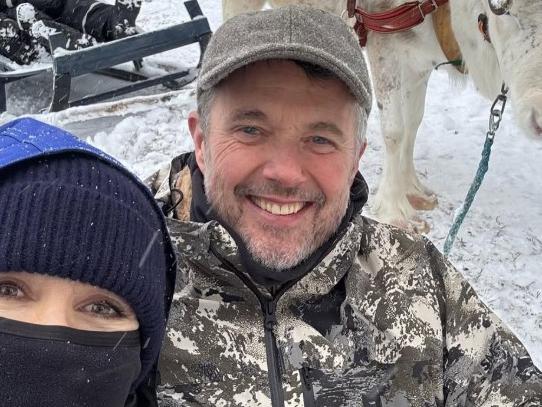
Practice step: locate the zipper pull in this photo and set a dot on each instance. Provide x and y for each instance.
(270, 315)
(308, 393)
(305, 378)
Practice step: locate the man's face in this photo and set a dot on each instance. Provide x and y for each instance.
(279, 158)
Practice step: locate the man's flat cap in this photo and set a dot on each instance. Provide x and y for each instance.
(293, 32)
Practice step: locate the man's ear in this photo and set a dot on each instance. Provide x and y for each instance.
(194, 126)
(359, 154)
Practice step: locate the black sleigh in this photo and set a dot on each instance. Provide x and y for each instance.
(104, 59)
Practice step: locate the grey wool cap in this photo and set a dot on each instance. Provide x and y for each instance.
(294, 32)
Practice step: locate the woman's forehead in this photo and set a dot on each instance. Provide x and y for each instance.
(51, 281)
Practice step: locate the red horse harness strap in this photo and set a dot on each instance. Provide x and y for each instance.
(401, 18)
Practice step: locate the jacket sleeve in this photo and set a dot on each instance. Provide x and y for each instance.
(485, 364)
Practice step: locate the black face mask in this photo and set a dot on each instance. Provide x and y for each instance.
(50, 366)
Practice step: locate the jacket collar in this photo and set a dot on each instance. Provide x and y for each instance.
(207, 247)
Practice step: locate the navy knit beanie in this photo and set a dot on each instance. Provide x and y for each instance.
(70, 211)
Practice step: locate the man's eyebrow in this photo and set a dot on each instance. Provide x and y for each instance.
(255, 114)
(243, 114)
(326, 126)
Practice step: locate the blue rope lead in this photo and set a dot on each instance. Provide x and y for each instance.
(495, 118)
(475, 186)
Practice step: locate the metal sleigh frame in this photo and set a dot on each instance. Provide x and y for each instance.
(103, 57)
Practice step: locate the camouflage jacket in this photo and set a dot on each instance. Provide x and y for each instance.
(383, 320)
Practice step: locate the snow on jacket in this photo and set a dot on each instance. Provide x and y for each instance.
(383, 320)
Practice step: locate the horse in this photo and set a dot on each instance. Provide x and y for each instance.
(496, 42)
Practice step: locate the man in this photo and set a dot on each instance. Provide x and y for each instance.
(25, 25)
(287, 295)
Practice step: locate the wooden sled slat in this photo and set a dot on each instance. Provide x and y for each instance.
(181, 79)
(105, 55)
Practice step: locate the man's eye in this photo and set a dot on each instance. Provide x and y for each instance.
(321, 145)
(10, 290)
(250, 130)
(320, 140)
(103, 309)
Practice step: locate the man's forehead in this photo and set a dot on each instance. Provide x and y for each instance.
(268, 90)
(262, 83)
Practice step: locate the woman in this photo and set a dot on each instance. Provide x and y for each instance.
(86, 273)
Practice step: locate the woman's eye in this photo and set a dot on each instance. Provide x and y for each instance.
(10, 290)
(103, 309)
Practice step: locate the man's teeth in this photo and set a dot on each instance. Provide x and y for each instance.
(278, 209)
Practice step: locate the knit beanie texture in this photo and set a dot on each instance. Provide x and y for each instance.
(75, 216)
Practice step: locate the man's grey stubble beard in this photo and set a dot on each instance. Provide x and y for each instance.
(286, 254)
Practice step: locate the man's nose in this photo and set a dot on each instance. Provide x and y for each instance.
(285, 165)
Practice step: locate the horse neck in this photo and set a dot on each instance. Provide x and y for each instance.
(478, 55)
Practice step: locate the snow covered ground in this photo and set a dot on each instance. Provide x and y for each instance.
(499, 248)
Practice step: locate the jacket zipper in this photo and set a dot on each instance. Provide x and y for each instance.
(308, 394)
(273, 367)
(269, 308)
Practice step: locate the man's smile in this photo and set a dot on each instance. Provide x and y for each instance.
(278, 208)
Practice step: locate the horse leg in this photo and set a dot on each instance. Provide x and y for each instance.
(400, 92)
(390, 204)
(231, 8)
(413, 98)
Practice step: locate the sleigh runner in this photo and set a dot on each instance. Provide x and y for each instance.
(110, 59)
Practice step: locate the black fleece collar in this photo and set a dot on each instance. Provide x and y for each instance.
(201, 211)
